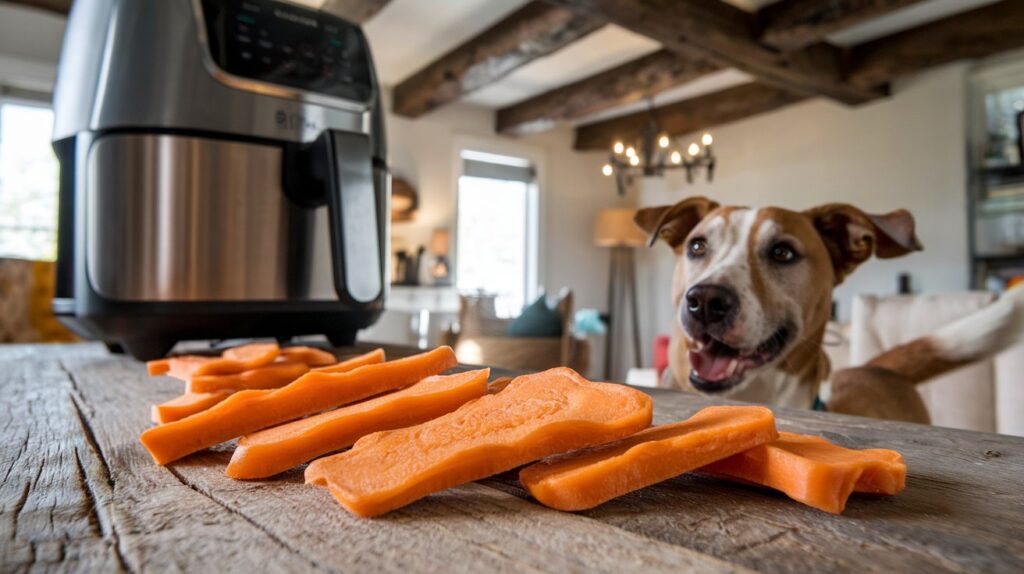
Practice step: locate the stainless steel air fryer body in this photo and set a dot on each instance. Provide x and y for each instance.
(222, 173)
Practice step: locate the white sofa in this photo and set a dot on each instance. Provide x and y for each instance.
(986, 396)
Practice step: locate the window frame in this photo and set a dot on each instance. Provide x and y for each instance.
(536, 213)
(31, 99)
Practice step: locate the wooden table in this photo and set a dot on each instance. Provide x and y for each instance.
(80, 493)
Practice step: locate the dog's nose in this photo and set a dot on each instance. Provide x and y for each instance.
(711, 304)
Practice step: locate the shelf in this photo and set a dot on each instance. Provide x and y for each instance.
(1017, 259)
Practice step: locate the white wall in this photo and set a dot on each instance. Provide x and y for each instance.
(572, 189)
(906, 151)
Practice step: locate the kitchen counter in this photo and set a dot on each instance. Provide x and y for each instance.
(80, 493)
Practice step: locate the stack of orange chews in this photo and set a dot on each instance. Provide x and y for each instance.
(414, 431)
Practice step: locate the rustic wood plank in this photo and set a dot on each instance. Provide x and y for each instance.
(630, 82)
(688, 116)
(535, 30)
(728, 35)
(94, 504)
(357, 11)
(981, 32)
(962, 510)
(48, 512)
(795, 24)
(467, 529)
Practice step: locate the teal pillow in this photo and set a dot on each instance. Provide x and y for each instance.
(536, 320)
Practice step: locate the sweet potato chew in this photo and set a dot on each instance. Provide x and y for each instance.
(813, 471)
(249, 411)
(191, 403)
(180, 367)
(277, 449)
(186, 405)
(582, 480)
(309, 355)
(371, 358)
(535, 416)
(240, 359)
(272, 376)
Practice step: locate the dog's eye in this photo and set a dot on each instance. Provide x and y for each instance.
(782, 253)
(697, 248)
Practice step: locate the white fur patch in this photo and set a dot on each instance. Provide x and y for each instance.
(985, 332)
(730, 265)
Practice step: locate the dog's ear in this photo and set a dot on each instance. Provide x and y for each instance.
(852, 236)
(672, 223)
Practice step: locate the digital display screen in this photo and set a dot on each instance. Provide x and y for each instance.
(288, 45)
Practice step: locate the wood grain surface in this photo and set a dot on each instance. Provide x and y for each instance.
(80, 493)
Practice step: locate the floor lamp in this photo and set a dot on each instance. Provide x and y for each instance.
(615, 230)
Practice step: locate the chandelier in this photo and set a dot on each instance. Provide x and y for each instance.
(654, 153)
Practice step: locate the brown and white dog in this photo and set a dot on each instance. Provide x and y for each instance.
(752, 294)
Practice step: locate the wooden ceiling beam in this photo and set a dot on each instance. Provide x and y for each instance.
(974, 34)
(688, 116)
(625, 84)
(356, 11)
(729, 36)
(56, 6)
(537, 29)
(795, 24)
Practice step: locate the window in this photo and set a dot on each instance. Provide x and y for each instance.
(496, 238)
(28, 181)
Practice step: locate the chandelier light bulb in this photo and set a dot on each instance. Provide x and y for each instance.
(676, 157)
(663, 141)
(607, 169)
(618, 147)
(630, 152)
(634, 160)
(694, 149)
(706, 139)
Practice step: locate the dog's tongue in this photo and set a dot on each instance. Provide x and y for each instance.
(711, 368)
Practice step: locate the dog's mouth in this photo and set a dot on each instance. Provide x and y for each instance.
(716, 366)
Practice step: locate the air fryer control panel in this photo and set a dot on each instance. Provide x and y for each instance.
(288, 45)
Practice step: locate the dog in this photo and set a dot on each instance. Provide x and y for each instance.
(752, 294)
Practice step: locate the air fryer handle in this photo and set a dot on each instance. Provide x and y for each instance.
(352, 210)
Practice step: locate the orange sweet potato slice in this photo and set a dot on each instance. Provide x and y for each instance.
(251, 410)
(535, 416)
(240, 359)
(578, 481)
(373, 357)
(194, 402)
(180, 367)
(277, 449)
(813, 471)
(309, 355)
(272, 376)
(186, 405)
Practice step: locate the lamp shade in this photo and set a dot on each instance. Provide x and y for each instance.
(439, 242)
(615, 228)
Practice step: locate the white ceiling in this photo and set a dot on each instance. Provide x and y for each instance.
(903, 19)
(409, 34)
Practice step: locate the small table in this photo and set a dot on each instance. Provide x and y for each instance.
(80, 493)
(420, 303)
